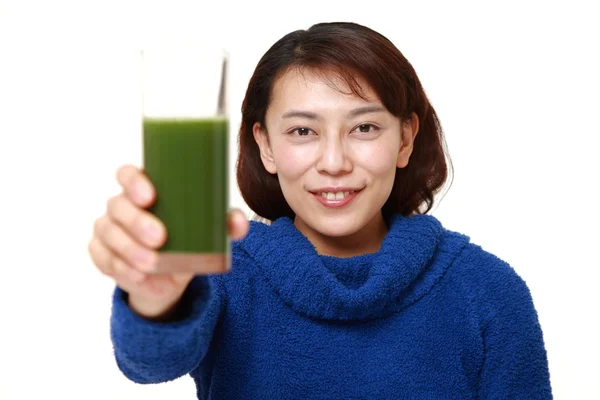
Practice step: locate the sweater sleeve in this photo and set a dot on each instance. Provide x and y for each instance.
(515, 364)
(154, 352)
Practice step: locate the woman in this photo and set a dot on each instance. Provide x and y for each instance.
(352, 291)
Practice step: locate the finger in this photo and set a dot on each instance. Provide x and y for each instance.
(142, 225)
(101, 256)
(237, 224)
(124, 246)
(136, 185)
(110, 265)
(160, 287)
(125, 274)
(182, 278)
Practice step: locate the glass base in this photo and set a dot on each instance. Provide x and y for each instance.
(197, 263)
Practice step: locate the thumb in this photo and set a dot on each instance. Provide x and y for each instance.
(237, 224)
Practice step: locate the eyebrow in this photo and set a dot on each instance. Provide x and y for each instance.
(366, 110)
(353, 113)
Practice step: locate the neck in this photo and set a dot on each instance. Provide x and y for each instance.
(365, 241)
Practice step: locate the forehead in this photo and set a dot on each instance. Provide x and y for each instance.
(304, 85)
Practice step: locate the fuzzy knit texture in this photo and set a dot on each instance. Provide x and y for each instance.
(430, 315)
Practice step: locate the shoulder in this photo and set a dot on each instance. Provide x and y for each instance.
(497, 291)
(488, 279)
(471, 264)
(488, 271)
(476, 266)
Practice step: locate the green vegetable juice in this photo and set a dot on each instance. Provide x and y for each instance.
(186, 160)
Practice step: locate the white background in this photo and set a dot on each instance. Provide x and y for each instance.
(515, 84)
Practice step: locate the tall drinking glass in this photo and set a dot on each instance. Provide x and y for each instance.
(185, 141)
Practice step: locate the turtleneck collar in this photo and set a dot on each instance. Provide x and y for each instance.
(414, 255)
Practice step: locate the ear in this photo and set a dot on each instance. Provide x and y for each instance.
(409, 130)
(266, 154)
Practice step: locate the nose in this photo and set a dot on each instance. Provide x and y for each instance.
(334, 156)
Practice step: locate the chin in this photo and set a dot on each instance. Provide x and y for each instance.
(338, 226)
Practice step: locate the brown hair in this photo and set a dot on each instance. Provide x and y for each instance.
(349, 50)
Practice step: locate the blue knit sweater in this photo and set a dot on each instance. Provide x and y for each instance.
(429, 316)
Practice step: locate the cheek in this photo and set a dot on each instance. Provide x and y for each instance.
(379, 159)
(292, 161)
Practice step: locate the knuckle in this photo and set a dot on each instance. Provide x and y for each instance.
(112, 238)
(99, 225)
(108, 230)
(118, 266)
(122, 271)
(102, 264)
(121, 243)
(106, 271)
(95, 259)
(107, 266)
(113, 202)
(139, 222)
(115, 206)
(91, 247)
(127, 175)
(129, 249)
(95, 254)
(122, 172)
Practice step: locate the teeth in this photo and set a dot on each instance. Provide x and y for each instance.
(335, 196)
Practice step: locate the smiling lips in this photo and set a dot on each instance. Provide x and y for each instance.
(335, 197)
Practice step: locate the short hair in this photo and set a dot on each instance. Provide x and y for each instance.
(348, 50)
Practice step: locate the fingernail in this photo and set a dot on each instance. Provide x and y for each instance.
(153, 232)
(142, 190)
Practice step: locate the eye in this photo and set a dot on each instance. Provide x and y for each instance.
(302, 131)
(365, 128)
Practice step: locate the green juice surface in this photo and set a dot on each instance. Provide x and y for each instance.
(186, 160)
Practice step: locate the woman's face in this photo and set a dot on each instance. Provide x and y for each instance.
(334, 153)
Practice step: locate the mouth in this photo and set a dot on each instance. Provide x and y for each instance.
(335, 197)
